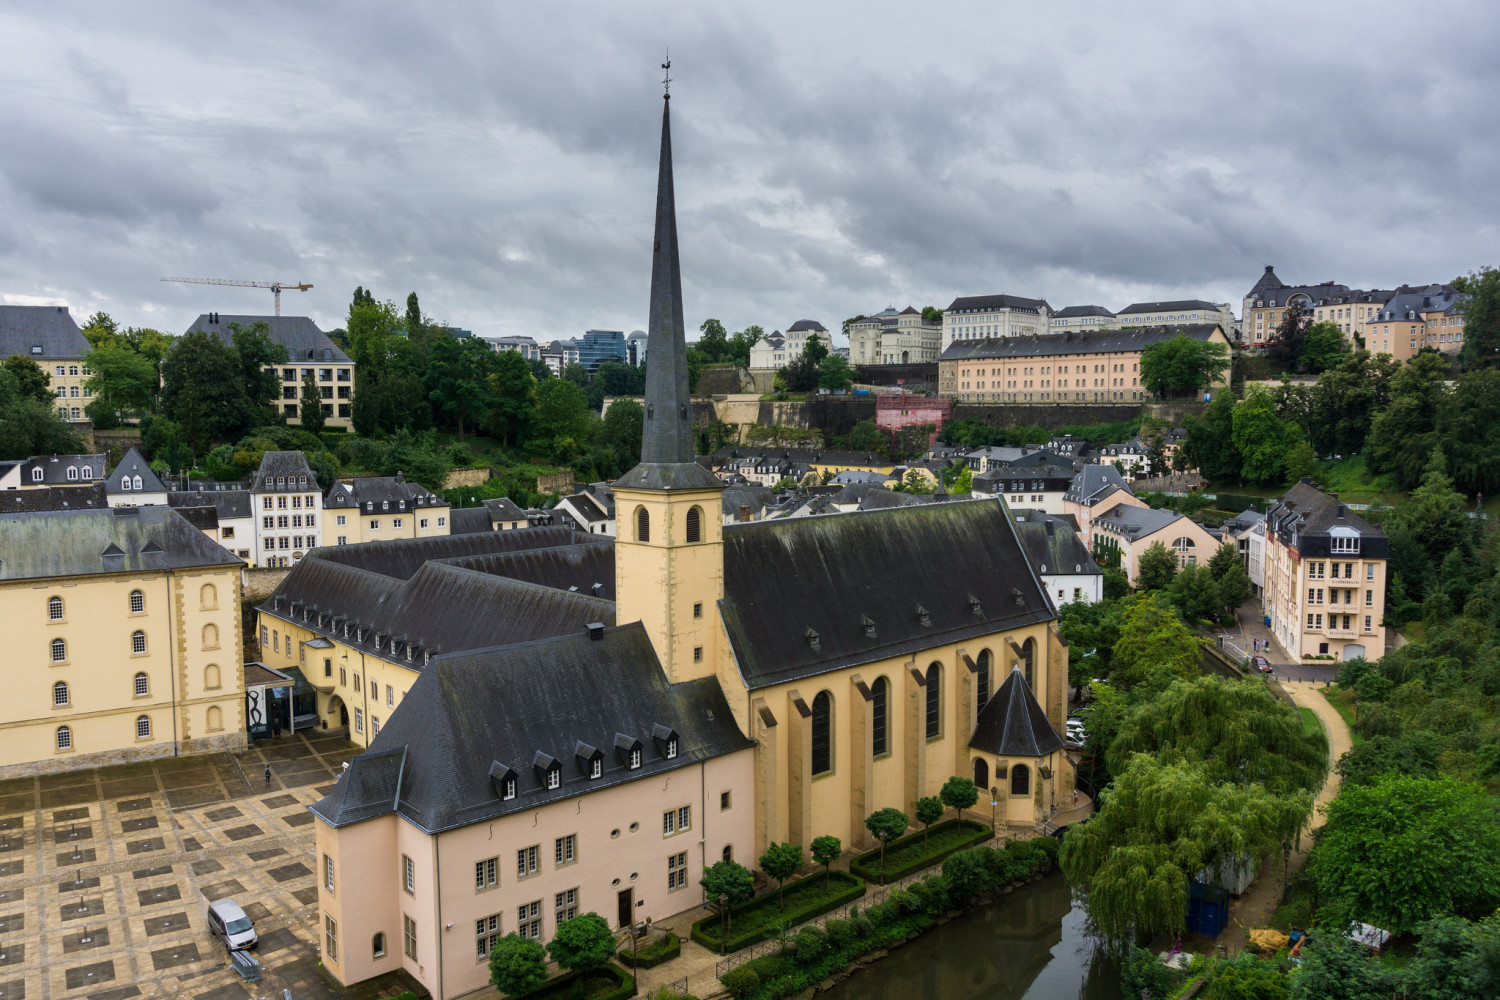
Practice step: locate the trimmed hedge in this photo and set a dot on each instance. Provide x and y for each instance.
(867, 866)
(652, 955)
(562, 986)
(842, 888)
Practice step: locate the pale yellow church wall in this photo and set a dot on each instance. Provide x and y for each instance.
(102, 707)
(610, 857)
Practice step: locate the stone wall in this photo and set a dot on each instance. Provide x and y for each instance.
(114, 443)
(1046, 415)
(256, 584)
(560, 483)
(915, 378)
(476, 476)
(229, 742)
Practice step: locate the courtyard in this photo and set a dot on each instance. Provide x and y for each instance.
(105, 875)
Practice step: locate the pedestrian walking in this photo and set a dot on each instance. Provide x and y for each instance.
(268, 774)
(1075, 796)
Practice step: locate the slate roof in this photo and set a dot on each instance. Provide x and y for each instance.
(433, 760)
(133, 464)
(1280, 295)
(586, 507)
(1071, 311)
(394, 490)
(469, 520)
(810, 325)
(1052, 544)
(1136, 338)
(1176, 305)
(1137, 522)
(401, 557)
(1052, 477)
(1267, 282)
(1407, 303)
(298, 334)
(1012, 724)
(1095, 482)
(289, 464)
(980, 303)
(881, 498)
(54, 498)
(202, 518)
(754, 497)
(50, 328)
(63, 543)
(960, 562)
(1306, 517)
(55, 469)
(227, 503)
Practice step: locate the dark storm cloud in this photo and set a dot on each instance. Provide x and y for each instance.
(831, 158)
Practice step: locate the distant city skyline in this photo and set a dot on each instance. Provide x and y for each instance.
(831, 160)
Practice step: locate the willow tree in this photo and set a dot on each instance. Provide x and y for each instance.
(1154, 647)
(1239, 732)
(1164, 820)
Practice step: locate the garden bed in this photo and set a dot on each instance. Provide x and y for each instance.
(608, 982)
(655, 953)
(913, 852)
(759, 918)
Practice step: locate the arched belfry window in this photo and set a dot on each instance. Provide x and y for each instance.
(642, 525)
(880, 696)
(695, 524)
(1020, 780)
(934, 701)
(982, 680)
(822, 733)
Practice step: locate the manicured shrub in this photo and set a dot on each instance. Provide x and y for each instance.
(810, 945)
(968, 874)
(741, 983)
(841, 933)
(864, 927)
(874, 916)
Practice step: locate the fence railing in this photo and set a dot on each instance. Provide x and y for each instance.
(679, 988)
(874, 896)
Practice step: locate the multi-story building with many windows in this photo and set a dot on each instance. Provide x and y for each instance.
(1178, 312)
(979, 317)
(1325, 574)
(1056, 368)
(379, 508)
(895, 338)
(49, 336)
(123, 639)
(1266, 303)
(309, 351)
(1416, 318)
(1079, 319)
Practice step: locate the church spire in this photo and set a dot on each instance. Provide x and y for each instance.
(667, 433)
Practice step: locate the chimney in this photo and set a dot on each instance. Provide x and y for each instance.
(399, 477)
(598, 589)
(596, 631)
(744, 514)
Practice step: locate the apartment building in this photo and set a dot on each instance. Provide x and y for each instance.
(49, 336)
(45, 471)
(978, 317)
(1080, 319)
(1060, 556)
(123, 639)
(1325, 575)
(1055, 368)
(1096, 488)
(1038, 487)
(1266, 303)
(1350, 310)
(1416, 318)
(309, 352)
(378, 508)
(1128, 531)
(895, 338)
(1178, 312)
(778, 349)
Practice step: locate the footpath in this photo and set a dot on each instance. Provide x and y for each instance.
(1255, 906)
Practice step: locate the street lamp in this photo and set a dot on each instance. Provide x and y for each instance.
(1356, 711)
(1286, 863)
(723, 915)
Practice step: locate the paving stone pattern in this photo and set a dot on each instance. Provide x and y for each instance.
(124, 916)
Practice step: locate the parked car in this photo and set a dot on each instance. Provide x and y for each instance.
(227, 921)
(1262, 664)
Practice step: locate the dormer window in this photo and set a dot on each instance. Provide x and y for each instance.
(672, 748)
(137, 482)
(635, 759)
(596, 768)
(503, 780)
(554, 778)
(509, 791)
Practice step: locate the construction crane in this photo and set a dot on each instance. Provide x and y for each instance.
(275, 286)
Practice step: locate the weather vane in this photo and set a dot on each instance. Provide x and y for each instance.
(666, 80)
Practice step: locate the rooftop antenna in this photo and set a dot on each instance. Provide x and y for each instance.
(666, 80)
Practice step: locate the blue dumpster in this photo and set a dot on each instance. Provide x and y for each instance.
(1208, 909)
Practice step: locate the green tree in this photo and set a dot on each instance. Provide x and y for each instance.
(311, 409)
(1208, 441)
(1404, 850)
(1234, 587)
(1412, 754)
(1433, 514)
(517, 965)
(959, 793)
(1245, 977)
(915, 482)
(825, 851)
(256, 351)
(1262, 438)
(560, 416)
(457, 380)
(886, 825)
(1162, 822)
(122, 379)
(1286, 344)
(1323, 346)
(1154, 647)
(835, 373)
(1456, 959)
(32, 382)
(1157, 567)
(30, 427)
(816, 350)
(203, 391)
(1468, 424)
(929, 811)
(615, 379)
(963, 483)
(1481, 313)
(621, 432)
(1183, 365)
(1234, 728)
(1336, 968)
(1345, 400)
(582, 943)
(801, 375)
(781, 862)
(1403, 434)
(851, 321)
(1195, 591)
(713, 341)
(931, 314)
(1302, 462)
(414, 325)
(512, 385)
(731, 880)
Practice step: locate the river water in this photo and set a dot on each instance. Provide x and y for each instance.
(1031, 944)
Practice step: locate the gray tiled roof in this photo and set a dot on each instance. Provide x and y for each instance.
(469, 520)
(1265, 283)
(394, 490)
(63, 543)
(298, 334)
(1095, 482)
(50, 328)
(1012, 724)
(1072, 311)
(291, 465)
(433, 761)
(401, 557)
(54, 498)
(978, 303)
(783, 578)
(1136, 338)
(806, 324)
(1177, 305)
(1137, 522)
(1052, 543)
(55, 469)
(228, 503)
(133, 465)
(1305, 516)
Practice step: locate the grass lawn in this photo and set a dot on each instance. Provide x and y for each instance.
(917, 847)
(804, 893)
(1342, 701)
(1310, 723)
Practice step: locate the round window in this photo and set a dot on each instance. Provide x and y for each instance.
(614, 834)
(615, 884)
(633, 876)
(634, 827)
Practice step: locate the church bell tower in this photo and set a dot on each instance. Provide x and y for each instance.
(669, 548)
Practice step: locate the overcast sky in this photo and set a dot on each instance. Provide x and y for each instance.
(831, 158)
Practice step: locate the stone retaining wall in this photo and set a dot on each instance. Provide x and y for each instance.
(223, 742)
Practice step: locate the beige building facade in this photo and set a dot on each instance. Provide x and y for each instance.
(126, 630)
(49, 336)
(380, 508)
(979, 317)
(1127, 531)
(309, 352)
(1325, 577)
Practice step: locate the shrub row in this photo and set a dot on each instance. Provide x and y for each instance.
(843, 888)
(654, 954)
(813, 955)
(563, 985)
(909, 854)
